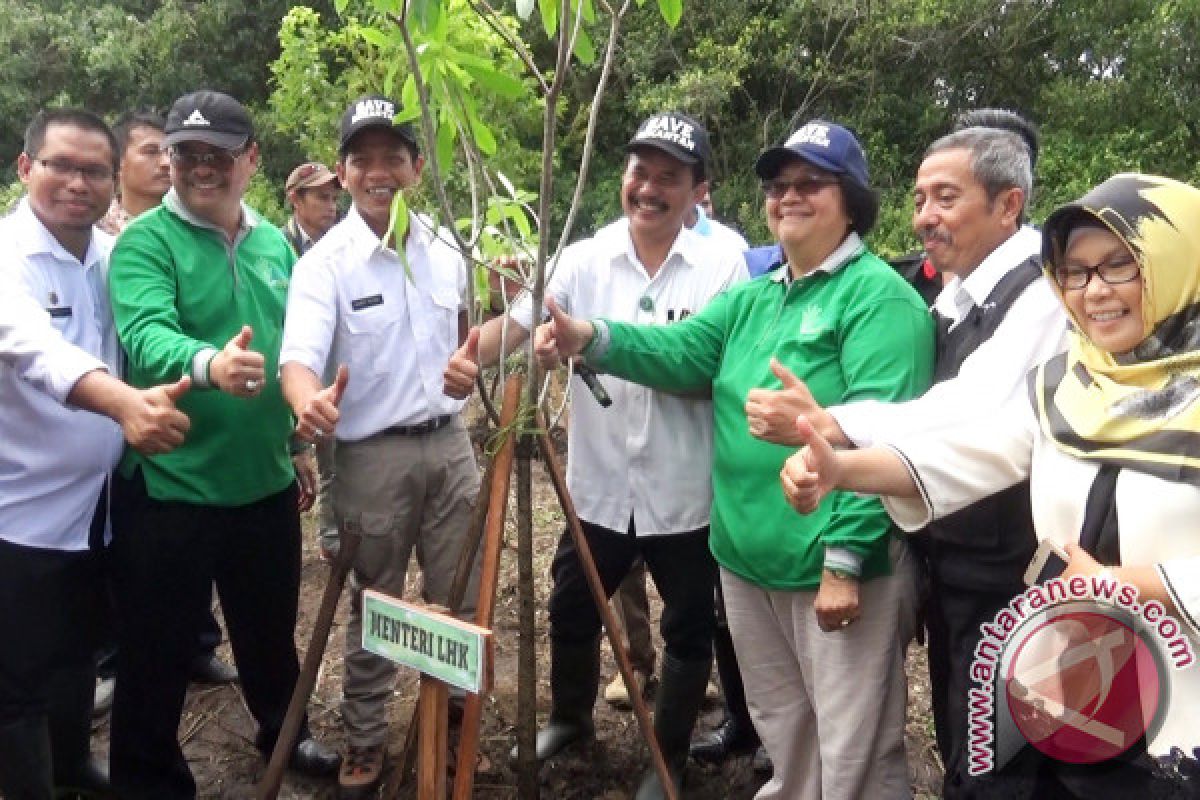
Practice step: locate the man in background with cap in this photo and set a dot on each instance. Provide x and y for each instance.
(639, 472)
(312, 192)
(199, 287)
(388, 312)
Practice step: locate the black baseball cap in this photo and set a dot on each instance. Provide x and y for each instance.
(676, 134)
(211, 117)
(373, 111)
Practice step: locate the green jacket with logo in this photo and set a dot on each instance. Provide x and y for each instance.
(178, 288)
(859, 332)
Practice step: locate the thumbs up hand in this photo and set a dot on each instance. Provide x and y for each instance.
(238, 370)
(771, 413)
(320, 415)
(150, 421)
(560, 338)
(813, 472)
(459, 378)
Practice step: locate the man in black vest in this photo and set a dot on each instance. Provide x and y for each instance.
(997, 318)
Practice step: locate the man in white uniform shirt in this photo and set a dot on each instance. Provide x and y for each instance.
(56, 460)
(638, 472)
(997, 319)
(404, 466)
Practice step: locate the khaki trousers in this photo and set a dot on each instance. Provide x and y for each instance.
(409, 493)
(631, 607)
(829, 707)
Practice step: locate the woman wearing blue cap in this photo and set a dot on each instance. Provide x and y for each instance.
(821, 608)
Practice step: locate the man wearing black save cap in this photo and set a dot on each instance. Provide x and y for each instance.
(199, 287)
(390, 307)
(639, 472)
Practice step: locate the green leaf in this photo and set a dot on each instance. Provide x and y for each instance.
(671, 10)
(340, 6)
(397, 230)
(447, 134)
(495, 80)
(375, 36)
(549, 9)
(485, 140)
(428, 13)
(410, 101)
(586, 10)
(524, 8)
(585, 51)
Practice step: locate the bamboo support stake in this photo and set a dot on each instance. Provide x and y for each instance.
(350, 536)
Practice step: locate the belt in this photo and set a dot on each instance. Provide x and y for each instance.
(428, 426)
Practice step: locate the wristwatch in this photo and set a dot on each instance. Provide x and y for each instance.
(842, 574)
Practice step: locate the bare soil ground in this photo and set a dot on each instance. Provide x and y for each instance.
(218, 731)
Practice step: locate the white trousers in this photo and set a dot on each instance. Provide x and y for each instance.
(829, 707)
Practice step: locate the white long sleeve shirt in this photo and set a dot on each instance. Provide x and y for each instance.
(1032, 331)
(54, 459)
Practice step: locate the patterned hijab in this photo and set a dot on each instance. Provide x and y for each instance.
(1138, 410)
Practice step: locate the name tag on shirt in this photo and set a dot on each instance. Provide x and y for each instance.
(60, 312)
(366, 302)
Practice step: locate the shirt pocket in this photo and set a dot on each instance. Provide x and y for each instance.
(368, 333)
(444, 306)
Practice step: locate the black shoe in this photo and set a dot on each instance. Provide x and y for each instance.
(314, 759)
(212, 671)
(728, 739)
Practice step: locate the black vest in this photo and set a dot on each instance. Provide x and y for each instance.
(988, 544)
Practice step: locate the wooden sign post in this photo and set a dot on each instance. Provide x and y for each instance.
(446, 651)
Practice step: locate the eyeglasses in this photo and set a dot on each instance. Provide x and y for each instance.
(805, 187)
(61, 168)
(1114, 273)
(219, 158)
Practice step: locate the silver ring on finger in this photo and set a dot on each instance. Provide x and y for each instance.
(318, 433)
(251, 385)
(845, 623)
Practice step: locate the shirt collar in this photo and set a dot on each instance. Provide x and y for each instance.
(616, 241)
(843, 254)
(360, 233)
(39, 240)
(1012, 251)
(174, 204)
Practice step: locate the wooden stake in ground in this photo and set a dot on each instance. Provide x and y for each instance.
(458, 589)
(489, 572)
(550, 458)
(431, 761)
(350, 534)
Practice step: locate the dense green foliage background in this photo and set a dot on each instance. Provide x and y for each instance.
(1111, 84)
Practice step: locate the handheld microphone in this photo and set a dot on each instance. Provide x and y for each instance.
(592, 381)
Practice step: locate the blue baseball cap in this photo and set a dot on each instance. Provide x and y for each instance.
(823, 144)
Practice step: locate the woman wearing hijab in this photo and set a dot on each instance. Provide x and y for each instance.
(821, 608)
(1109, 439)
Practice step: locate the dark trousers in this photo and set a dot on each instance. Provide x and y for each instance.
(47, 615)
(683, 570)
(166, 557)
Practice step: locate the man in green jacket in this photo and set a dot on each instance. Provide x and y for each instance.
(199, 287)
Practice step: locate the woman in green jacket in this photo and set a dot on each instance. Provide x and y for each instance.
(821, 608)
